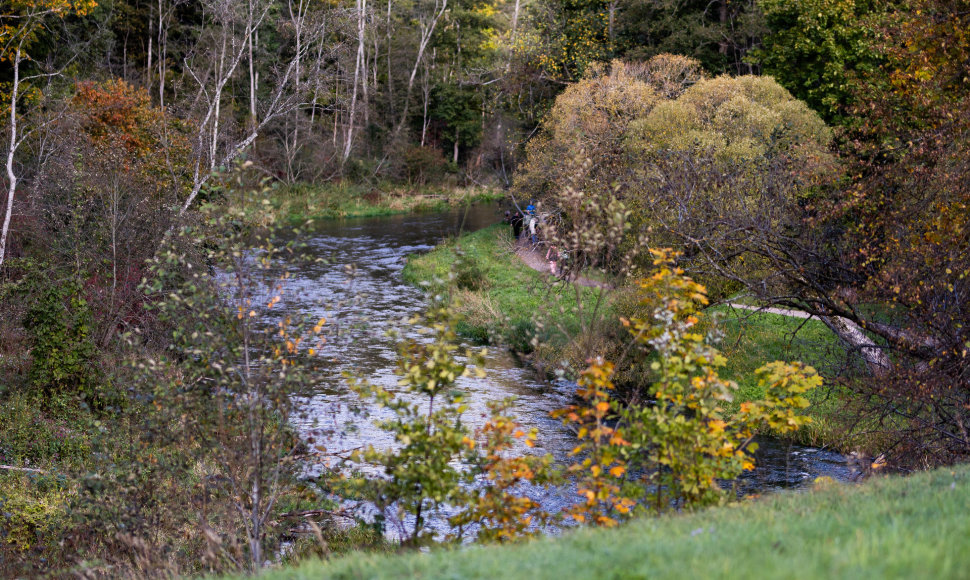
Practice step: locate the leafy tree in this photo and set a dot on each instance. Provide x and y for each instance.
(103, 221)
(907, 248)
(817, 49)
(673, 443)
(421, 475)
(496, 475)
(570, 35)
(694, 160)
(719, 35)
(437, 465)
(220, 400)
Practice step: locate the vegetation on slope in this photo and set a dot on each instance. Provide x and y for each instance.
(889, 528)
(301, 202)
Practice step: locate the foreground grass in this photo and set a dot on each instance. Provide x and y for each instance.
(301, 202)
(501, 298)
(913, 527)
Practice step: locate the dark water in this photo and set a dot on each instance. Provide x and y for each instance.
(361, 293)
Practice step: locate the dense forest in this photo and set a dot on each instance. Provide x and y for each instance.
(809, 156)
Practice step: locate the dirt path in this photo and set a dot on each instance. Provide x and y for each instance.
(535, 258)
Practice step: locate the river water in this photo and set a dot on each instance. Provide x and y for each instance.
(359, 289)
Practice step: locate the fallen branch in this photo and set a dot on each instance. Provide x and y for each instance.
(11, 467)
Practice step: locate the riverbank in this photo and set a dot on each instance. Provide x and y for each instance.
(299, 203)
(893, 527)
(505, 301)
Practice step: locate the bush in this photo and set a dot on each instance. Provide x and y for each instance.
(64, 358)
(693, 160)
(469, 275)
(424, 165)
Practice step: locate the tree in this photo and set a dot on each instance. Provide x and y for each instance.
(422, 475)
(21, 24)
(691, 158)
(231, 378)
(720, 34)
(673, 441)
(818, 49)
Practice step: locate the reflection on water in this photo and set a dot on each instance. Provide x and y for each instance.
(360, 291)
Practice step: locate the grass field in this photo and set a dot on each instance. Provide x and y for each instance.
(896, 527)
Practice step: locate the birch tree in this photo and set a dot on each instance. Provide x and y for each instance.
(21, 24)
(223, 46)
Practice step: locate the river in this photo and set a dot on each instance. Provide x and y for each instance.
(360, 291)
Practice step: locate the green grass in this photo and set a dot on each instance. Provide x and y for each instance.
(912, 527)
(301, 202)
(752, 339)
(502, 299)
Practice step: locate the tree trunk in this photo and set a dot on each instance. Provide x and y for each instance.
(11, 150)
(349, 140)
(856, 339)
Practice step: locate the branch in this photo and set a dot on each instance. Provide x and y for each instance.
(31, 470)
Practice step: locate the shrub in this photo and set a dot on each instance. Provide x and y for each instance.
(673, 444)
(64, 365)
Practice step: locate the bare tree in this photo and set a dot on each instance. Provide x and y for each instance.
(427, 22)
(216, 143)
(360, 75)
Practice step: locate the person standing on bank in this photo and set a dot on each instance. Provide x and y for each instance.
(516, 226)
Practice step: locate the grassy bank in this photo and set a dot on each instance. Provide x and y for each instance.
(913, 527)
(301, 202)
(502, 299)
(507, 302)
(752, 339)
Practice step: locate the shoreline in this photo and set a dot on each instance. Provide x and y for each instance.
(300, 203)
(503, 294)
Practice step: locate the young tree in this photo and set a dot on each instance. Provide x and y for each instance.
(233, 373)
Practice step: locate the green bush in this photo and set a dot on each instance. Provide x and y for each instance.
(64, 356)
(28, 436)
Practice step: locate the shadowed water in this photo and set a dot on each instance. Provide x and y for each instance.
(360, 291)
